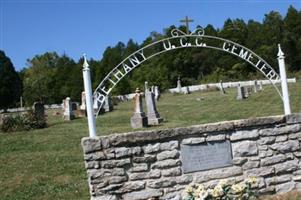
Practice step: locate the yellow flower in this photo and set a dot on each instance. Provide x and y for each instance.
(252, 180)
(189, 190)
(217, 191)
(203, 195)
(223, 183)
(238, 188)
(200, 187)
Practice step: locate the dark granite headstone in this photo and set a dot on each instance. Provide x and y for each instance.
(206, 156)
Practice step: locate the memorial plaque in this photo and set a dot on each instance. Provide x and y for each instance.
(206, 156)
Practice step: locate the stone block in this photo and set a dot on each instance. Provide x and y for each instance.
(244, 148)
(281, 138)
(99, 155)
(273, 160)
(145, 175)
(197, 140)
(145, 159)
(166, 164)
(295, 136)
(143, 195)
(139, 167)
(151, 148)
(288, 146)
(115, 163)
(293, 118)
(266, 140)
(171, 172)
(285, 167)
(239, 161)
(161, 183)
(167, 155)
(250, 165)
(130, 187)
(285, 187)
(278, 179)
(242, 135)
(91, 144)
(117, 179)
(171, 145)
(262, 171)
(219, 137)
(220, 173)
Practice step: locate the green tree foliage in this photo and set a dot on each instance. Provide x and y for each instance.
(10, 83)
(51, 77)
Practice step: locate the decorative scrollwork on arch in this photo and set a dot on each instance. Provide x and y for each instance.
(199, 32)
(176, 33)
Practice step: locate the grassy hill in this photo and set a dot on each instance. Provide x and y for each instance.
(48, 163)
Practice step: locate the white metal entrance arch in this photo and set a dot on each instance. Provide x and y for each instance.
(180, 40)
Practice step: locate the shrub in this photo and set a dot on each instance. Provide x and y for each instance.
(222, 191)
(21, 122)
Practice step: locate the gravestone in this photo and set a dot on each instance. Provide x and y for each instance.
(240, 92)
(206, 156)
(108, 104)
(179, 86)
(260, 86)
(68, 112)
(157, 93)
(74, 106)
(186, 90)
(39, 110)
(153, 116)
(221, 87)
(83, 98)
(138, 120)
(255, 86)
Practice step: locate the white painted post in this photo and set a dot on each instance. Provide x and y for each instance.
(285, 96)
(89, 100)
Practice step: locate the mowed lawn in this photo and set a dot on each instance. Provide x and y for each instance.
(48, 163)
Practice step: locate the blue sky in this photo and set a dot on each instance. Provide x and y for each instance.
(31, 27)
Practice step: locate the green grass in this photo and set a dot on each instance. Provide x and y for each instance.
(48, 163)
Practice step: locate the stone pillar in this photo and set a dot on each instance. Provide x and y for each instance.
(68, 112)
(138, 120)
(153, 116)
(285, 95)
(221, 87)
(39, 110)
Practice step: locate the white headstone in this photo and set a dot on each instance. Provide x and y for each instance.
(83, 105)
(138, 120)
(68, 112)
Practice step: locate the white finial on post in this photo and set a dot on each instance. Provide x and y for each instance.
(285, 96)
(89, 99)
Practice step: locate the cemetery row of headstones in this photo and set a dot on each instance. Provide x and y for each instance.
(70, 107)
(139, 119)
(244, 92)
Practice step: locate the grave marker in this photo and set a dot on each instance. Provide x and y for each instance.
(68, 112)
(138, 120)
(39, 110)
(153, 116)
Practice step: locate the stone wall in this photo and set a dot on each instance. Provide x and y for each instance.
(147, 164)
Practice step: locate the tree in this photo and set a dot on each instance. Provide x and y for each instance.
(10, 83)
